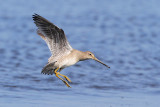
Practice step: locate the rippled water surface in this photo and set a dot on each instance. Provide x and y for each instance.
(124, 35)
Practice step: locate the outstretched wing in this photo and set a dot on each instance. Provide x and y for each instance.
(53, 36)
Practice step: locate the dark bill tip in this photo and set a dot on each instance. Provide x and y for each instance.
(101, 62)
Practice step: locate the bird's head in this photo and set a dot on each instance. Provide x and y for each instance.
(90, 55)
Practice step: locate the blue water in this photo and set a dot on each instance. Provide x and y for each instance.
(123, 34)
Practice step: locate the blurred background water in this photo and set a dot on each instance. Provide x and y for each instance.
(122, 33)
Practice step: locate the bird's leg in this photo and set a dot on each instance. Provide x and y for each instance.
(57, 73)
(64, 76)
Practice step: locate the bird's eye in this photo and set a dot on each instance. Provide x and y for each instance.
(90, 54)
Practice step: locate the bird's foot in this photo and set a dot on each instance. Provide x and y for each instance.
(67, 84)
(67, 78)
(64, 77)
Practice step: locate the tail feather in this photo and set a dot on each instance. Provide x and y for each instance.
(48, 69)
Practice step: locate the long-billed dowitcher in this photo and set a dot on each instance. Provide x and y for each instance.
(63, 55)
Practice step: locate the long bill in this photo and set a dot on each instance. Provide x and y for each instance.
(100, 62)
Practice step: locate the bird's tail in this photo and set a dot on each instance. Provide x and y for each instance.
(48, 69)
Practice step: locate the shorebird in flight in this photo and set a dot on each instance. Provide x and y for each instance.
(63, 55)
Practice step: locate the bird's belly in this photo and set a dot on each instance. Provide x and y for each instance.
(68, 62)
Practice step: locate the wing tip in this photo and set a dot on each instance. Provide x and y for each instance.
(36, 17)
(35, 14)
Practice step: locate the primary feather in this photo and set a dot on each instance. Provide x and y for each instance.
(53, 36)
